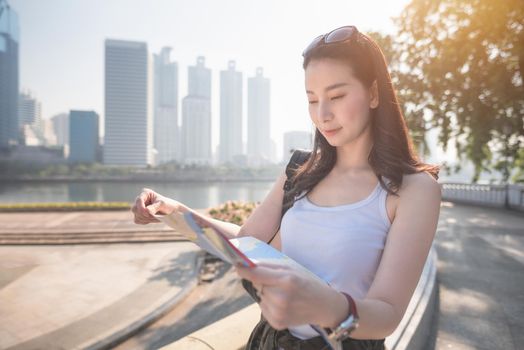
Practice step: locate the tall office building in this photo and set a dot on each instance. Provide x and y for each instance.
(196, 130)
(230, 114)
(196, 115)
(49, 133)
(29, 109)
(165, 124)
(128, 138)
(258, 120)
(296, 140)
(9, 39)
(83, 131)
(199, 79)
(30, 119)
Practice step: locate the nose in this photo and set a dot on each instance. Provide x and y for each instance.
(324, 111)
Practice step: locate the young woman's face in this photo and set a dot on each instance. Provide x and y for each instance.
(339, 104)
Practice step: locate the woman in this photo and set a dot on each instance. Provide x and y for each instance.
(364, 214)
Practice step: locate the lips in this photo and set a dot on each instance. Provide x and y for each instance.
(330, 132)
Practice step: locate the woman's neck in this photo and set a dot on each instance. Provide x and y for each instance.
(353, 157)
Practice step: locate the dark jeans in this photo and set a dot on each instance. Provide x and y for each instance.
(265, 337)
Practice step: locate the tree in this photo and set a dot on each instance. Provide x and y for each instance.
(414, 118)
(463, 61)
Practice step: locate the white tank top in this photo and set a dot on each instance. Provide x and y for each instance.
(341, 244)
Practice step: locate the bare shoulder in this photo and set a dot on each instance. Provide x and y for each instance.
(419, 185)
(419, 198)
(408, 242)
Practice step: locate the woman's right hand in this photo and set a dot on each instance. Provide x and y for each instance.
(148, 203)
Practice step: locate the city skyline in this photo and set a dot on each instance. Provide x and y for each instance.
(265, 40)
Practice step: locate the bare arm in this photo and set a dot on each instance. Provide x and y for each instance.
(265, 219)
(262, 223)
(407, 247)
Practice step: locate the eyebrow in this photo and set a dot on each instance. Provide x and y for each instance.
(331, 87)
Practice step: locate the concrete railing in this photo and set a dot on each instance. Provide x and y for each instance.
(503, 196)
(232, 332)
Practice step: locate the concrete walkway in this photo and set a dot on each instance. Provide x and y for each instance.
(85, 296)
(481, 279)
(79, 227)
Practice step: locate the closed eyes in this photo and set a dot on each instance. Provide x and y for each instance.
(333, 98)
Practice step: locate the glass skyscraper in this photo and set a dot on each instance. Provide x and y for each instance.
(83, 137)
(230, 114)
(258, 119)
(166, 134)
(9, 38)
(196, 115)
(128, 138)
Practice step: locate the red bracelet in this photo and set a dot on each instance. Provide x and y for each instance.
(352, 310)
(352, 306)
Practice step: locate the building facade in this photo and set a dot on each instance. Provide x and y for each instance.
(128, 138)
(196, 130)
(61, 128)
(259, 147)
(83, 142)
(230, 146)
(296, 140)
(196, 116)
(30, 121)
(165, 124)
(9, 75)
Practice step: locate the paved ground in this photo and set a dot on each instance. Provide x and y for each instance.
(65, 296)
(481, 291)
(55, 297)
(206, 304)
(481, 279)
(79, 227)
(81, 221)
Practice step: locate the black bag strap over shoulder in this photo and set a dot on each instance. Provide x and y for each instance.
(298, 158)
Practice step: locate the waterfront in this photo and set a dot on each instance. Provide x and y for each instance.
(193, 194)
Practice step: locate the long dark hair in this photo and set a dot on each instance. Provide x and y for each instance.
(392, 154)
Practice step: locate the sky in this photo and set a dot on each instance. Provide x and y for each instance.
(62, 45)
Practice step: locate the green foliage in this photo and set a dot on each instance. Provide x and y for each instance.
(463, 61)
(417, 125)
(519, 174)
(235, 212)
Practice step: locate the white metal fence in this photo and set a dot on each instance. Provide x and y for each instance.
(504, 196)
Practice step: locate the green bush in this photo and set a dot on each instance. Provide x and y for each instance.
(235, 212)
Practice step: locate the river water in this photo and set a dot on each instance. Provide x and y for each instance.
(193, 194)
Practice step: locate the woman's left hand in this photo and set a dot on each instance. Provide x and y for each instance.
(291, 297)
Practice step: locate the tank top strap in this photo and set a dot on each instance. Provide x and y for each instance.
(382, 198)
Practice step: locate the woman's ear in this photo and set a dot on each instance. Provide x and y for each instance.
(373, 93)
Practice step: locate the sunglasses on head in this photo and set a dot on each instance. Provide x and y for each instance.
(338, 35)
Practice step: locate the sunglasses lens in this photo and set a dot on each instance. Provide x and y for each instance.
(340, 34)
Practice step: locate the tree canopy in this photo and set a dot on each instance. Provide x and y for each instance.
(462, 63)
